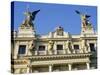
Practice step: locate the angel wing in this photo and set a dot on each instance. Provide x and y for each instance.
(34, 14)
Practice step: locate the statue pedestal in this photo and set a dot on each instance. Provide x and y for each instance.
(26, 32)
(87, 30)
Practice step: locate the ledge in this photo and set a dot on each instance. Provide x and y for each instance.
(81, 55)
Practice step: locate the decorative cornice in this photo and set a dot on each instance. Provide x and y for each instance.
(53, 39)
(38, 57)
(24, 38)
(68, 61)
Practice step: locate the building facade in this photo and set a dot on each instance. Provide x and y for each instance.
(56, 51)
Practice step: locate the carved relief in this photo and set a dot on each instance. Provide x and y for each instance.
(50, 47)
(70, 46)
(85, 46)
(32, 46)
(67, 47)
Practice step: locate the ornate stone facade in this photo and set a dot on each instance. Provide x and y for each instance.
(56, 51)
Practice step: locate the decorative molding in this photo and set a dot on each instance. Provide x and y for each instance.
(58, 56)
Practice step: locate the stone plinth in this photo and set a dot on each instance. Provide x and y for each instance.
(26, 32)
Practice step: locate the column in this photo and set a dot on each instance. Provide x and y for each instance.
(88, 48)
(72, 47)
(50, 68)
(36, 52)
(64, 52)
(69, 67)
(88, 65)
(64, 49)
(16, 49)
(55, 50)
(46, 52)
(28, 69)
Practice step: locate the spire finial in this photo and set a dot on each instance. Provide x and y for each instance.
(27, 8)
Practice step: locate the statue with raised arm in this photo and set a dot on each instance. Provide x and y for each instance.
(30, 17)
(85, 20)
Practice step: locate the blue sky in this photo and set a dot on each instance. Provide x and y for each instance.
(53, 15)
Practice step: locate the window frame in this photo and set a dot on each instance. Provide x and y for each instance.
(43, 49)
(59, 45)
(77, 46)
(21, 51)
(92, 49)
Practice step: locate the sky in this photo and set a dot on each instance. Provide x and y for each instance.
(54, 15)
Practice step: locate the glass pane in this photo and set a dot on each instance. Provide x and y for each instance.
(92, 48)
(41, 48)
(76, 46)
(22, 49)
(59, 47)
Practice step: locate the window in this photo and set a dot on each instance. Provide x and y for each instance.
(76, 47)
(22, 49)
(41, 48)
(59, 47)
(92, 47)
